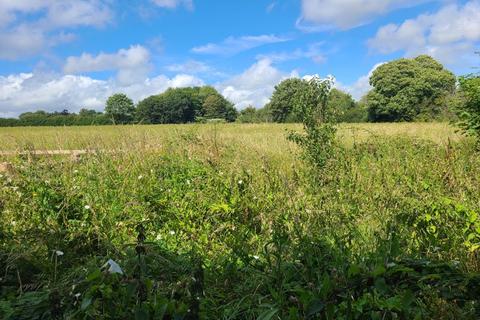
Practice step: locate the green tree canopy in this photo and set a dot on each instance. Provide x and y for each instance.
(284, 98)
(120, 108)
(176, 105)
(406, 89)
(215, 106)
(182, 105)
(345, 108)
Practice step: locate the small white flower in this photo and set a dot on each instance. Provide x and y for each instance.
(240, 181)
(140, 177)
(14, 223)
(159, 237)
(188, 182)
(75, 171)
(59, 253)
(172, 232)
(256, 257)
(113, 267)
(87, 207)
(77, 295)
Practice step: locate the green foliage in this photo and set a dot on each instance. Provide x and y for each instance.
(318, 122)
(252, 115)
(183, 105)
(346, 108)
(407, 89)
(215, 106)
(469, 110)
(120, 109)
(285, 98)
(211, 228)
(41, 118)
(179, 105)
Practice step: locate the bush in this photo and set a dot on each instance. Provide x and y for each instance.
(469, 111)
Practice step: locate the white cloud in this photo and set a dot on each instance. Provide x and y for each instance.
(314, 52)
(254, 86)
(39, 90)
(361, 86)
(233, 45)
(346, 14)
(190, 66)
(172, 4)
(45, 28)
(52, 92)
(132, 64)
(450, 35)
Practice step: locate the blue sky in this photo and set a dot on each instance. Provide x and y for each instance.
(57, 54)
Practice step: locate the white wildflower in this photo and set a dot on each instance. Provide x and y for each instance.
(172, 232)
(140, 177)
(59, 253)
(87, 207)
(256, 257)
(113, 267)
(240, 181)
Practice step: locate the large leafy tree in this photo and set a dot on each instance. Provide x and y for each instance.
(179, 105)
(182, 105)
(284, 99)
(406, 89)
(345, 108)
(120, 108)
(215, 106)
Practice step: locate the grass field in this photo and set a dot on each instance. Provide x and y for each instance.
(227, 222)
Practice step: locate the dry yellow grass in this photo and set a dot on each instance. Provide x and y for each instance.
(265, 138)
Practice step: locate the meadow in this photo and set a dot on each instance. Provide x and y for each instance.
(226, 221)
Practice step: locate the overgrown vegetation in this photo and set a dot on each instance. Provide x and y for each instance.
(469, 111)
(210, 228)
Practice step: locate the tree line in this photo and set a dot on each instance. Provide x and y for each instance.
(417, 89)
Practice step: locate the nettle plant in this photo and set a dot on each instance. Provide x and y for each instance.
(318, 118)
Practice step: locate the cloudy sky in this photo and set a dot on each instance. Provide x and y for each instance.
(64, 54)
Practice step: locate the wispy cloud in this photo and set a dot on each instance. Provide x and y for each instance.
(234, 45)
(172, 4)
(313, 52)
(319, 15)
(190, 66)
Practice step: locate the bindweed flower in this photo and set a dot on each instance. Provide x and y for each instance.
(87, 207)
(113, 267)
(240, 182)
(59, 253)
(256, 257)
